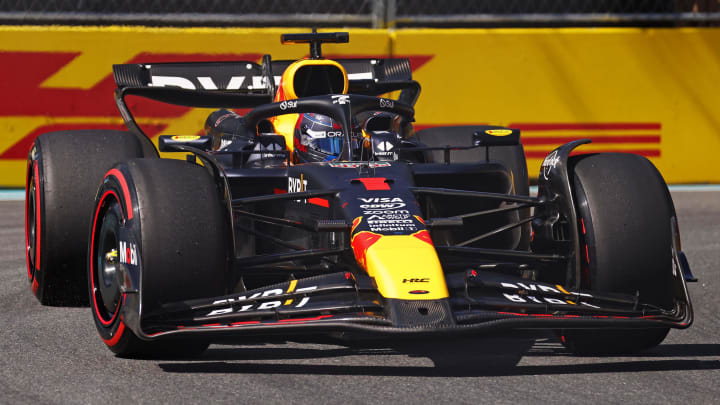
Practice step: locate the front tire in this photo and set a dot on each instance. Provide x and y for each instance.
(160, 234)
(625, 227)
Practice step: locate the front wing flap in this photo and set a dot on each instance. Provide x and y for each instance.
(348, 302)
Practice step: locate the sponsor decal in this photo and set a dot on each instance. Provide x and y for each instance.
(324, 134)
(384, 148)
(185, 138)
(380, 199)
(416, 280)
(549, 163)
(543, 288)
(171, 81)
(387, 214)
(289, 104)
(207, 83)
(297, 185)
(340, 99)
(382, 206)
(128, 253)
(499, 132)
(524, 297)
(382, 203)
(385, 103)
(392, 225)
(355, 165)
(530, 298)
(255, 306)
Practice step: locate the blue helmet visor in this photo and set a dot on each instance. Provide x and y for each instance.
(331, 146)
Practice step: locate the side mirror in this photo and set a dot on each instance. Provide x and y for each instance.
(167, 143)
(496, 136)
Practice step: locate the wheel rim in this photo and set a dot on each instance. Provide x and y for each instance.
(106, 275)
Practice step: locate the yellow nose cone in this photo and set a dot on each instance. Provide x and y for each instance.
(404, 266)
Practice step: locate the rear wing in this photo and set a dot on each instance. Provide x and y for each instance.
(245, 84)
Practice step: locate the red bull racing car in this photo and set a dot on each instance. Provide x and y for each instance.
(321, 210)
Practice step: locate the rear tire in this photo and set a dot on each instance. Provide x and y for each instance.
(160, 222)
(625, 215)
(63, 171)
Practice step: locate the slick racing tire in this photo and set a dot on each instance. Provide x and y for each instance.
(625, 215)
(64, 169)
(159, 234)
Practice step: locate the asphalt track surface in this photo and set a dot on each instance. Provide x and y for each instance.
(54, 355)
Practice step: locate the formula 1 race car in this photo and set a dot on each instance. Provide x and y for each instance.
(321, 210)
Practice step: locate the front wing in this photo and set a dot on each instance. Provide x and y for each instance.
(347, 302)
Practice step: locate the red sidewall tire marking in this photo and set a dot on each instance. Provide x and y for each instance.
(92, 263)
(118, 334)
(28, 170)
(126, 191)
(33, 172)
(38, 221)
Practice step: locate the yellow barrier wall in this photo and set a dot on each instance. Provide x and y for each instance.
(650, 91)
(655, 92)
(56, 78)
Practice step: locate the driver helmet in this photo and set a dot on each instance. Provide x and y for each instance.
(317, 138)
